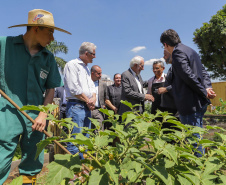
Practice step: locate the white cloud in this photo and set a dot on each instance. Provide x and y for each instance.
(138, 48)
(150, 62)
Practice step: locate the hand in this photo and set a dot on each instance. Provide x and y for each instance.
(40, 122)
(91, 103)
(162, 90)
(149, 97)
(115, 110)
(210, 93)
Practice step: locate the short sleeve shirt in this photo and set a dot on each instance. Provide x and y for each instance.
(24, 78)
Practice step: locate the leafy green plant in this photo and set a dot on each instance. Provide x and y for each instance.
(144, 153)
(220, 109)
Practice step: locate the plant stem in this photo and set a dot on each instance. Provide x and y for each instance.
(94, 159)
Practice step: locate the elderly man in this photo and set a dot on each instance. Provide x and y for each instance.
(132, 86)
(80, 90)
(191, 84)
(100, 86)
(28, 70)
(156, 82)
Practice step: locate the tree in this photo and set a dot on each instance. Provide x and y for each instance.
(57, 47)
(211, 41)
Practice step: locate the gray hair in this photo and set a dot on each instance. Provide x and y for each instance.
(136, 60)
(87, 46)
(159, 62)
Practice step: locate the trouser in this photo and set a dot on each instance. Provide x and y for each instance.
(80, 114)
(96, 114)
(195, 119)
(28, 140)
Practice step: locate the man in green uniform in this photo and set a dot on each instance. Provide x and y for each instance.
(27, 71)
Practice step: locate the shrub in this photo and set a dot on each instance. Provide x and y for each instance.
(145, 154)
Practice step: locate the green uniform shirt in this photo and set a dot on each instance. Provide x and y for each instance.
(24, 78)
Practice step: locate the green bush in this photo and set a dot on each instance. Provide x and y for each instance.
(144, 154)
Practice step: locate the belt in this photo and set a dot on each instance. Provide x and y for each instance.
(75, 100)
(97, 107)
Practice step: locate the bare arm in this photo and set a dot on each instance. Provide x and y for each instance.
(111, 106)
(40, 121)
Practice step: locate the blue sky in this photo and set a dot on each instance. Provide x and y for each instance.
(115, 26)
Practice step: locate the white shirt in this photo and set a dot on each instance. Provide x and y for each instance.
(137, 80)
(154, 80)
(77, 79)
(96, 83)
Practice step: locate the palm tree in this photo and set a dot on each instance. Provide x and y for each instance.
(57, 47)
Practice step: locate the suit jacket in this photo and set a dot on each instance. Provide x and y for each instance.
(167, 100)
(190, 80)
(130, 92)
(59, 93)
(102, 89)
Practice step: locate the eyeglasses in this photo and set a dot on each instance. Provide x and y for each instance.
(92, 53)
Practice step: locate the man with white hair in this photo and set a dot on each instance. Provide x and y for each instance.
(132, 86)
(80, 90)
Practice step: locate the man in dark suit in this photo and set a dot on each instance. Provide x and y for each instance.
(101, 87)
(191, 85)
(60, 93)
(132, 86)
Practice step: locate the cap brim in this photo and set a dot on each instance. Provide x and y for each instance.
(55, 28)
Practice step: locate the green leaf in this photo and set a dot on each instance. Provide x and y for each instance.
(142, 126)
(195, 180)
(96, 123)
(170, 152)
(130, 117)
(223, 178)
(159, 171)
(50, 107)
(127, 103)
(210, 167)
(154, 129)
(101, 141)
(32, 107)
(80, 139)
(191, 157)
(168, 163)
(98, 176)
(150, 181)
(183, 181)
(132, 175)
(61, 168)
(42, 144)
(159, 144)
(107, 112)
(112, 168)
(17, 181)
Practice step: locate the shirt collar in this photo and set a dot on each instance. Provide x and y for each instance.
(162, 76)
(133, 73)
(81, 62)
(19, 40)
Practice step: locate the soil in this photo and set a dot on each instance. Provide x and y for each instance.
(14, 173)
